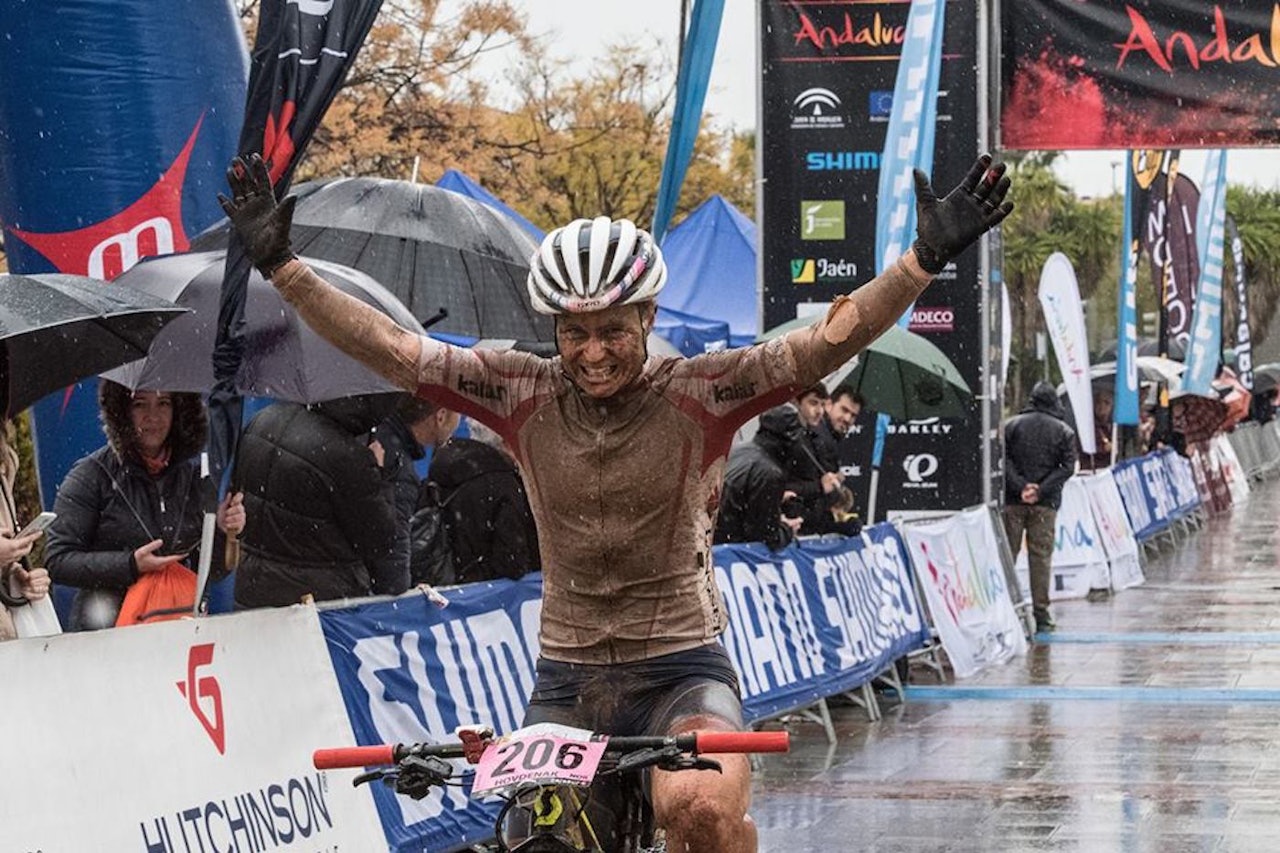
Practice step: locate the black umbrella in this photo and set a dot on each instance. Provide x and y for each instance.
(58, 329)
(431, 247)
(283, 357)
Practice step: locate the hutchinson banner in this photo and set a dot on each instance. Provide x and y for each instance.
(182, 736)
(827, 81)
(1140, 74)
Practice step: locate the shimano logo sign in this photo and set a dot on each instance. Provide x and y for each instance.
(816, 108)
(920, 468)
(842, 161)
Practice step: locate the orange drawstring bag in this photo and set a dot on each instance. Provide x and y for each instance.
(169, 593)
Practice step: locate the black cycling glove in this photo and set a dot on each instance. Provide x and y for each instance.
(946, 227)
(263, 225)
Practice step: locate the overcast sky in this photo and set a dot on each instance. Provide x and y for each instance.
(581, 30)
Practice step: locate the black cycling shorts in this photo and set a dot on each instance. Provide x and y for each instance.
(639, 698)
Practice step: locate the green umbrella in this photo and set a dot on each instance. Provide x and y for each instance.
(900, 374)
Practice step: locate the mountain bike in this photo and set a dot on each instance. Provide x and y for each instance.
(551, 777)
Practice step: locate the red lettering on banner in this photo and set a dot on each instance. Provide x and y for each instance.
(207, 687)
(877, 34)
(1142, 39)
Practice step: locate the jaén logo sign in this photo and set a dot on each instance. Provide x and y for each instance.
(206, 687)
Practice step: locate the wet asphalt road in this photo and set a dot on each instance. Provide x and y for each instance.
(1147, 722)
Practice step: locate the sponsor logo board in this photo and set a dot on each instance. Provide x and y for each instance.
(822, 220)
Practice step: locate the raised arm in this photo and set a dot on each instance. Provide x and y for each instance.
(488, 386)
(945, 227)
(357, 329)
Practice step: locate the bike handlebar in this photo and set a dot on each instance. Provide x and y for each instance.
(692, 742)
(742, 741)
(355, 756)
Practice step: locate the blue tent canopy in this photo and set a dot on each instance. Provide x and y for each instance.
(455, 181)
(711, 258)
(691, 335)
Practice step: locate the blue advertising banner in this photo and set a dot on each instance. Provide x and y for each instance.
(1182, 482)
(805, 622)
(811, 621)
(1147, 493)
(118, 124)
(1204, 348)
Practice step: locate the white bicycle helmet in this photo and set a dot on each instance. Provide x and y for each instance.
(591, 264)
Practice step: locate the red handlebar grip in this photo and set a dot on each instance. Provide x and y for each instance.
(743, 741)
(353, 756)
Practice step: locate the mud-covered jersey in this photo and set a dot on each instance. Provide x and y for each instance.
(624, 490)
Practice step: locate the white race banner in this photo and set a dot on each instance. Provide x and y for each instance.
(1112, 523)
(179, 736)
(958, 564)
(1236, 477)
(1079, 563)
(1064, 318)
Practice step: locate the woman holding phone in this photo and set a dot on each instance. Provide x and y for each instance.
(135, 505)
(18, 582)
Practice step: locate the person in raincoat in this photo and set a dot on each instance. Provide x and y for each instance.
(135, 506)
(321, 515)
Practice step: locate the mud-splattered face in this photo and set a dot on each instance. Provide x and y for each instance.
(604, 351)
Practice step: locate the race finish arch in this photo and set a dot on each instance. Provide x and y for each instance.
(827, 81)
(117, 123)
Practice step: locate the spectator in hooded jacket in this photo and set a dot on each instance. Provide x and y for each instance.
(754, 492)
(489, 524)
(321, 520)
(135, 505)
(1039, 457)
(403, 438)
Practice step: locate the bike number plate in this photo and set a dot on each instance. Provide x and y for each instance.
(537, 757)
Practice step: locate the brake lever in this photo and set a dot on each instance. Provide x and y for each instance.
(664, 758)
(416, 775)
(690, 762)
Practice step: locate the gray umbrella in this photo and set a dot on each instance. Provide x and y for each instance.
(283, 359)
(430, 247)
(57, 329)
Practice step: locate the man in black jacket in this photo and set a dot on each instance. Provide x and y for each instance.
(403, 438)
(488, 522)
(320, 519)
(814, 469)
(753, 497)
(1039, 457)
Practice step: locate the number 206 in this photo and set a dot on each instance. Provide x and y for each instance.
(534, 755)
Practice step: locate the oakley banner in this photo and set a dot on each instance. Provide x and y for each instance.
(1141, 74)
(827, 80)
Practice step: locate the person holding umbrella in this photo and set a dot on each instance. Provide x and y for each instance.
(624, 456)
(135, 506)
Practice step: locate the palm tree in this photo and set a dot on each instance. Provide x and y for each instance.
(1032, 232)
(1257, 217)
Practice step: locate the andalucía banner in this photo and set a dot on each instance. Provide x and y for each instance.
(1139, 74)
